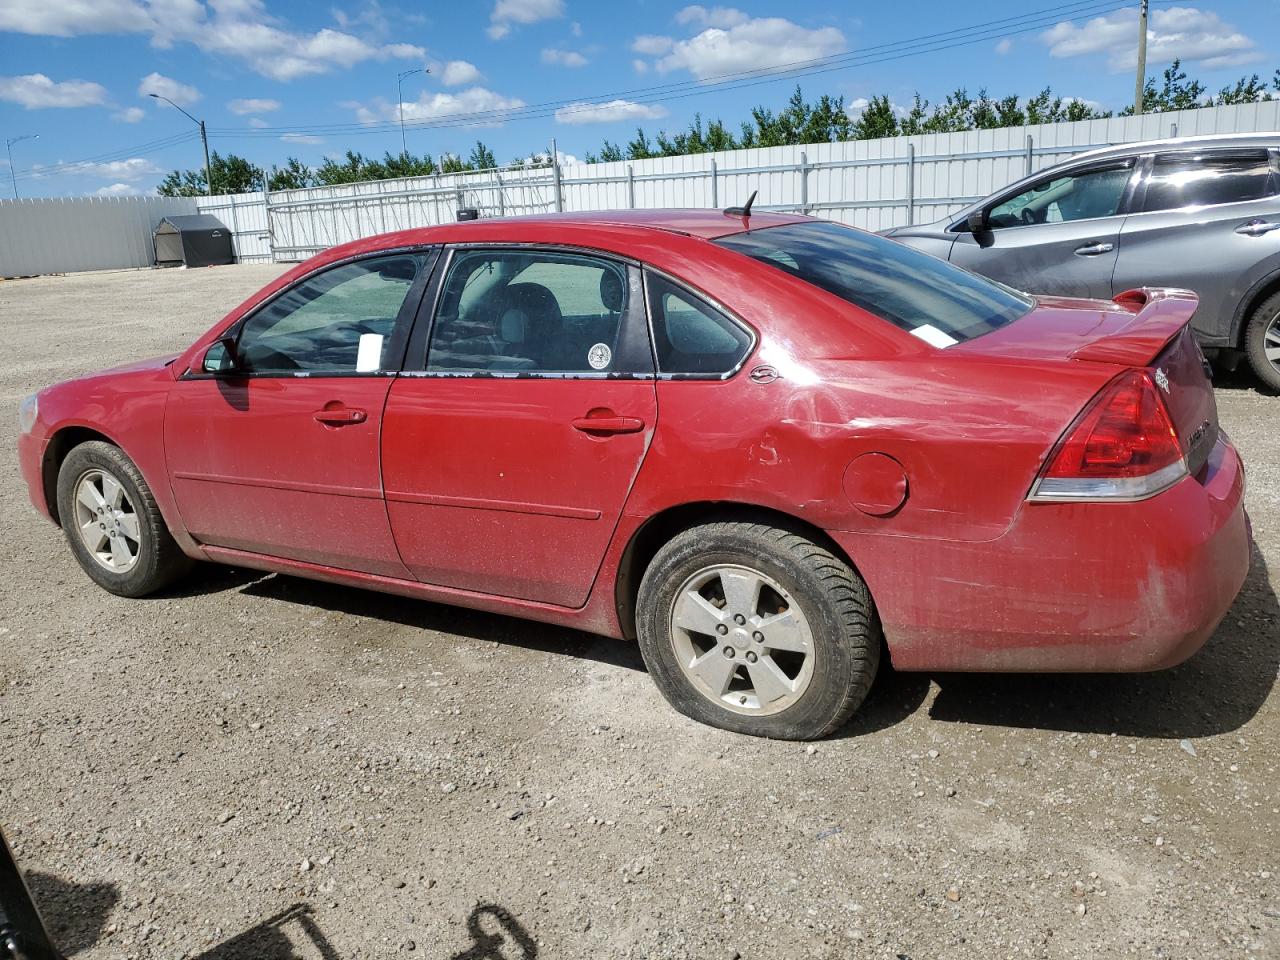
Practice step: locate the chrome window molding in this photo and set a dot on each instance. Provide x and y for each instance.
(712, 302)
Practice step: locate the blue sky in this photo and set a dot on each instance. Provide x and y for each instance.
(274, 79)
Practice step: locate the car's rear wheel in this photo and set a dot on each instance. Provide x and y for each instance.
(757, 630)
(112, 523)
(1262, 342)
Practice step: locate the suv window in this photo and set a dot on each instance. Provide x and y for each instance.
(1180, 180)
(529, 311)
(690, 336)
(1086, 195)
(343, 320)
(928, 297)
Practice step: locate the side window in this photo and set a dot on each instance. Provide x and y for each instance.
(690, 336)
(343, 320)
(1194, 181)
(529, 311)
(1087, 195)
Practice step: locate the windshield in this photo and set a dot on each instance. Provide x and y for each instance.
(928, 297)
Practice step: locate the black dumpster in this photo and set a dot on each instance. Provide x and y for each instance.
(198, 240)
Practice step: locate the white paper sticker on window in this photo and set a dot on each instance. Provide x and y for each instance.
(369, 356)
(933, 336)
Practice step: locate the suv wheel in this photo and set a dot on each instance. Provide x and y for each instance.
(757, 630)
(1262, 342)
(112, 523)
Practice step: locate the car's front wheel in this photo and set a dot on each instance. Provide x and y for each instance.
(112, 522)
(758, 630)
(1262, 342)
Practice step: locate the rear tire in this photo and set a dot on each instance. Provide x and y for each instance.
(1262, 336)
(112, 523)
(757, 630)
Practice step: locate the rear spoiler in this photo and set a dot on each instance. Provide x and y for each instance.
(1159, 313)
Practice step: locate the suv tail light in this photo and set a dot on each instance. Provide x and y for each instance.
(1123, 446)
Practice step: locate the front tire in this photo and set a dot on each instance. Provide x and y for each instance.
(1262, 342)
(757, 630)
(112, 523)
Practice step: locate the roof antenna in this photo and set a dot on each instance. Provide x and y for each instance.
(744, 210)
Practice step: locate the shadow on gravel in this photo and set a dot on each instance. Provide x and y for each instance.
(1241, 379)
(277, 938)
(458, 621)
(893, 697)
(74, 913)
(1218, 690)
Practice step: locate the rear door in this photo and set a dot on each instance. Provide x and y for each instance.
(1206, 220)
(513, 437)
(1060, 236)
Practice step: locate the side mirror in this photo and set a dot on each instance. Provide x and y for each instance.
(220, 357)
(980, 227)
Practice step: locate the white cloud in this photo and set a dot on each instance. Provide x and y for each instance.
(430, 106)
(1173, 33)
(301, 138)
(129, 115)
(651, 45)
(132, 169)
(258, 123)
(640, 66)
(457, 72)
(714, 17)
(564, 58)
(611, 112)
(67, 18)
(1004, 46)
(506, 13)
(35, 91)
(180, 93)
(118, 190)
(239, 29)
(248, 105)
(750, 45)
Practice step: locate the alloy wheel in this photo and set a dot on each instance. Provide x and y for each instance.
(741, 640)
(1271, 342)
(107, 522)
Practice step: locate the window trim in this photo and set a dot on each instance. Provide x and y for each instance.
(1148, 168)
(710, 301)
(407, 315)
(1134, 161)
(418, 349)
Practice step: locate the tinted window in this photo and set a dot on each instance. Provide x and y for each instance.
(536, 311)
(1192, 181)
(689, 336)
(1079, 196)
(340, 321)
(938, 302)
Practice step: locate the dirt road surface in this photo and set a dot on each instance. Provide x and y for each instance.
(259, 766)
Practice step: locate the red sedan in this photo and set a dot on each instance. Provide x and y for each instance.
(763, 445)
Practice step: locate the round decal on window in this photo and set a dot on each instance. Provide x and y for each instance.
(599, 356)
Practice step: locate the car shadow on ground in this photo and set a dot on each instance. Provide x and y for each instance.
(1241, 380)
(74, 913)
(1217, 691)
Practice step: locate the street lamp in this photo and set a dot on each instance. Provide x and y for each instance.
(208, 176)
(8, 146)
(400, 102)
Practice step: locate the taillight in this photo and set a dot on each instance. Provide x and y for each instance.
(1122, 447)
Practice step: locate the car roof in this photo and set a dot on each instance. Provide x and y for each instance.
(1269, 139)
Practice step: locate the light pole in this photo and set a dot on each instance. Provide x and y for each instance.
(208, 175)
(8, 146)
(404, 149)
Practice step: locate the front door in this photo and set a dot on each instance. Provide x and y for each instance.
(508, 457)
(1058, 237)
(273, 448)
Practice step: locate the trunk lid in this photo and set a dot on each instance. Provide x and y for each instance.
(1147, 328)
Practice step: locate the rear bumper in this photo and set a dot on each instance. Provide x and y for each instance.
(1070, 587)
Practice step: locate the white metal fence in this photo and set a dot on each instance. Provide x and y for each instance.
(867, 183)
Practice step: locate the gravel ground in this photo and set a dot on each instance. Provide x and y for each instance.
(264, 767)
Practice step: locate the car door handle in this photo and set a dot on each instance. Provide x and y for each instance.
(608, 424)
(340, 417)
(1093, 249)
(1256, 228)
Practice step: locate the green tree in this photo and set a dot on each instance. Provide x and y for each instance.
(877, 119)
(1173, 92)
(640, 148)
(1246, 90)
(231, 174)
(294, 175)
(482, 157)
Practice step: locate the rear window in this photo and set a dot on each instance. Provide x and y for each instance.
(935, 300)
(1179, 180)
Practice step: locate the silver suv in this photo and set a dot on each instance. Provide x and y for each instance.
(1198, 212)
